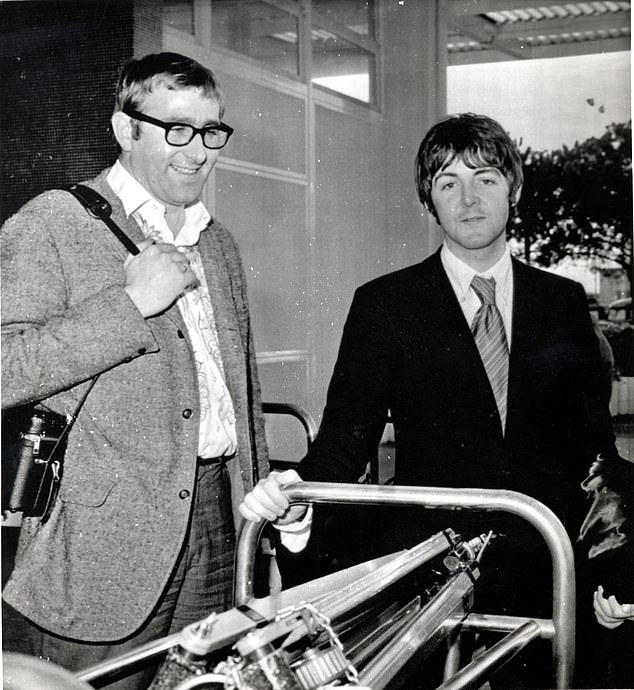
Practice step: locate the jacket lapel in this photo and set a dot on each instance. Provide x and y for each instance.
(450, 323)
(527, 326)
(458, 351)
(221, 295)
(233, 350)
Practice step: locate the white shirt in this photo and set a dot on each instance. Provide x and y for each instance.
(460, 276)
(217, 434)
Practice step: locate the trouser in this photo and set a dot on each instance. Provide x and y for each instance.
(202, 582)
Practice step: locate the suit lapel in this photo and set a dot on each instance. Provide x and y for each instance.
(232, 349)
(234, 358)
(527, 327)
(437, 295)
(221, 295)
(457, 351)
(445, 317)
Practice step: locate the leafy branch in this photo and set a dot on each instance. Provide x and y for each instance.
(577, 201)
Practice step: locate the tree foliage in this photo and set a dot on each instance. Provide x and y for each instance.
(577, 201)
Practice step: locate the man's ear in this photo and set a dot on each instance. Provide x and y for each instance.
(122, 128)
(516, 197)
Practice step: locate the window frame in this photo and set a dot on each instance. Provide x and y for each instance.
(308, 19)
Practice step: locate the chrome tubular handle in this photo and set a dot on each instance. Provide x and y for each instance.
(531, 510)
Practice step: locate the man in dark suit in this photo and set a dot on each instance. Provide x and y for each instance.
(524, 411)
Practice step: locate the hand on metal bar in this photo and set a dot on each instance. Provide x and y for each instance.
(267, 501)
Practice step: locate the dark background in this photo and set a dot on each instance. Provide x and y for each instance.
(59, 64)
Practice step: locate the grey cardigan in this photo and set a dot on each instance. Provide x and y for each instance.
(96, 569)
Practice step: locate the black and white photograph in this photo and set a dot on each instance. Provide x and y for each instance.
(317, 345)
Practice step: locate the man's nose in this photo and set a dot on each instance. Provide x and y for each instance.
(196, 148)
(469, 195)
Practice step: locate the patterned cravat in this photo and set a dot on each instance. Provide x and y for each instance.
(490, 337)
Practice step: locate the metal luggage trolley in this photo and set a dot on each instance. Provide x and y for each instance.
(291, 640)
(560, 629)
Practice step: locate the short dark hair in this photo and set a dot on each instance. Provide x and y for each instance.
(477, 140)
(140, 77)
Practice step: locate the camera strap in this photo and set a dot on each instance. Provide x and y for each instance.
(100, 208)
(34, 479)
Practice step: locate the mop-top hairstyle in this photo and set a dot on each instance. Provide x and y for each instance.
(476, 140)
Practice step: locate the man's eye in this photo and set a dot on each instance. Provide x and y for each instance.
(448, 185)
(179, 129)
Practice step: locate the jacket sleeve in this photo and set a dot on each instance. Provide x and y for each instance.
(597, 399)
(54, 334)
(357, 401)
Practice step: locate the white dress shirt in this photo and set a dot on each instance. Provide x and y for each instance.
(217, 435)
(460, 276)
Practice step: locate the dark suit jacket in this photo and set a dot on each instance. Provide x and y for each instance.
(407, 348)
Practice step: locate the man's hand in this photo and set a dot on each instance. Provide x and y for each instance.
(608, 612)
(266, 500)
(156, 277)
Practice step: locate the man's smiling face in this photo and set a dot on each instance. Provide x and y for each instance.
(174, 175)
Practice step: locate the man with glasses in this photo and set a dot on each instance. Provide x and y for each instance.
(140, 540)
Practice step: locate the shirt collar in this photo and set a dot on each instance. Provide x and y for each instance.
(461, 274)
(136, 199)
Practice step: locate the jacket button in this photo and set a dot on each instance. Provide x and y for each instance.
(180, 333)
(183, 493)
(187, 413)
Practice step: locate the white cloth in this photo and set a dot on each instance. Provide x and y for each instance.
(217, 435)
(295, 535)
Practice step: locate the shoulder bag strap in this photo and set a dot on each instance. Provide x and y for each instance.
(100, 208)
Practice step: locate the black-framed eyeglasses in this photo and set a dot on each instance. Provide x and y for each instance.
(180, 133)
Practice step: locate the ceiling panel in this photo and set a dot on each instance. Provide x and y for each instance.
(492, 30)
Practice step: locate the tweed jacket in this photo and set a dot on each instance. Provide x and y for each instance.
(96, 569)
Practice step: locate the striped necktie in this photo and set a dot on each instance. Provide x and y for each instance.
(490, 337)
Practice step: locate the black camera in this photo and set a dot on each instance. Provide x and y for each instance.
(33, 446)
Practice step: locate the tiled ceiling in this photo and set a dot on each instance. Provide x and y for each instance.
(492, 30)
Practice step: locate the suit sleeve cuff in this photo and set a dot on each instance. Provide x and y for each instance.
(295, 535)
